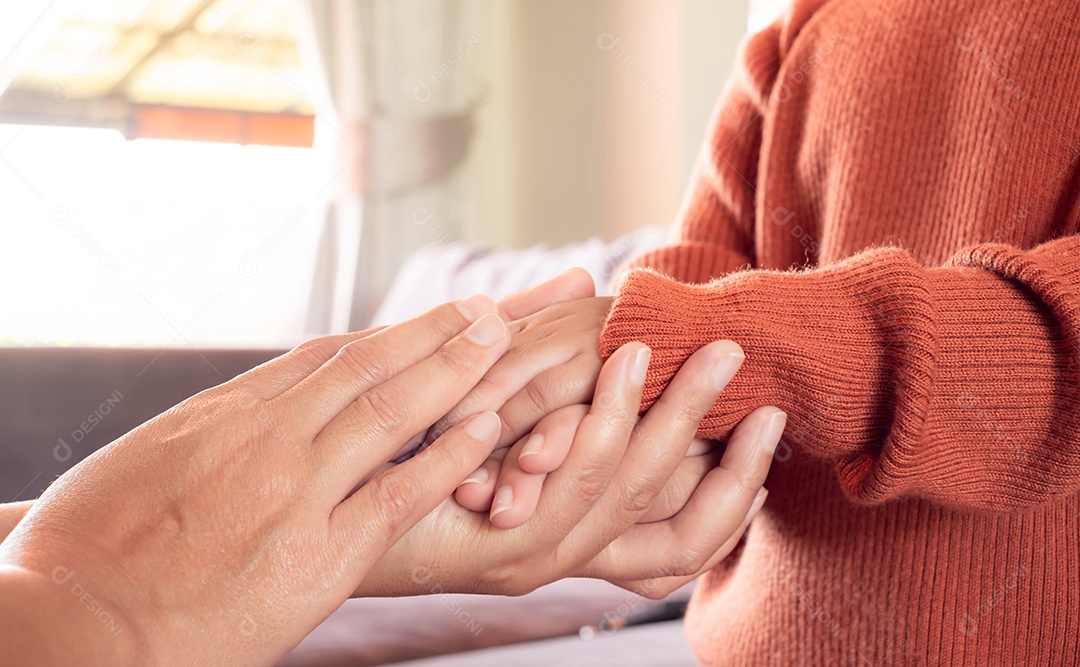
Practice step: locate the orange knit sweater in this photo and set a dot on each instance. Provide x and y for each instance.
(885, 218)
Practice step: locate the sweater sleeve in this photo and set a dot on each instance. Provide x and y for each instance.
(958, 384)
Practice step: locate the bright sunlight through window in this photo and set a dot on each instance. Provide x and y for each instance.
(155, 243)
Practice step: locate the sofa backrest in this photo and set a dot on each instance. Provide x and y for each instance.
(58, 405)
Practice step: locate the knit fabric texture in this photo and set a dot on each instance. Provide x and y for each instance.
(884, 216)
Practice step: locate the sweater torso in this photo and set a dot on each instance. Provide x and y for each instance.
(932, 127)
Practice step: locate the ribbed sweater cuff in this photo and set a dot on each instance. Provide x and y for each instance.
(851, 351)
(692, 262)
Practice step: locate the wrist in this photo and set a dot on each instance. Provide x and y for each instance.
(817, 343)
(54, 620)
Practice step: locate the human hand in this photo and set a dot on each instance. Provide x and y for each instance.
(524, 309)
(224, 530)
(508, 484)
(552, 362)
(587, 510)
(570, 285)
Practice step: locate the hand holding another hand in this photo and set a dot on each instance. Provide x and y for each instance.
(225, 529)
(552, 361)
(587, 513)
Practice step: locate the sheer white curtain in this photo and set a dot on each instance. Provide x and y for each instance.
(393, 105)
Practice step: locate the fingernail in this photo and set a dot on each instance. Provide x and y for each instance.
(504, 500)
(772, 430)
(475, 306)
(486, 331)
(483, 425)
(726, 368)
(479, 476)
(759, 500)
(534, 445)
(639, 366)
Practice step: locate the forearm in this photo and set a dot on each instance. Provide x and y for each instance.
(955, 383)
(10, 516)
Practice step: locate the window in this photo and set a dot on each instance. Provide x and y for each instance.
(111, 237)
(149, 242)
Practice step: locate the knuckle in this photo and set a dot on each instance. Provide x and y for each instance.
(456, 361)
(682, 414)
(397, 495)
(590, 483)
(691, 415)
(364, 360)
(613, 412)
(637, 497)
(668, 502)
(452, 457)
(315, 351)
(747, 482)
(383, 411)
(538, 396)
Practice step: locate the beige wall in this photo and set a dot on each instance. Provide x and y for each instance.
(592, 113)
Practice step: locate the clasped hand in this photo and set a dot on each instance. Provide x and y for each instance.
(225, 529)
(541, 387)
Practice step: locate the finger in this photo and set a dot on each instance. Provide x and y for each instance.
(566, 384)
(680, 486)
(729, 546)
(369, 430)
(661, 439)
(685, 543)
(515, 502)
(518, 491)
(600, 442)
(362, 364)
(478, 489)
(745, 462)
(662, 586)
(575, 283)
(701, 457)
(371, 520)
(270, 379)
(546, 448)
(508, 377)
